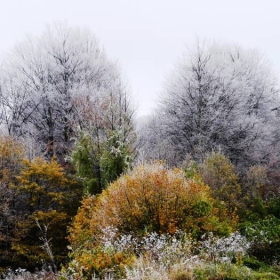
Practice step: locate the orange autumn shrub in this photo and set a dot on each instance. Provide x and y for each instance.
(151, 198)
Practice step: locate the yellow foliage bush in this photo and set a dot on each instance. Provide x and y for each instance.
(49, 196)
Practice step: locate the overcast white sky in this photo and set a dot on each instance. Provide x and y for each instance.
(148, 36)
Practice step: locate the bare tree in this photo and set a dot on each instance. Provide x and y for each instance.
(47, 247)
(219, 97)
(50, 82)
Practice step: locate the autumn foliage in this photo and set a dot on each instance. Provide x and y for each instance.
(151, 198)
(219, 174)
(69, 198)
(41, 192)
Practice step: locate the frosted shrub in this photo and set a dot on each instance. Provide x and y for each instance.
(164, 248)
(108, 236)
(162, 255)
(172, 257)
(224, 249)
(110, 240)
(155, 244)
(159, 248)
(145, 269)
(23, 274)
(155, 256)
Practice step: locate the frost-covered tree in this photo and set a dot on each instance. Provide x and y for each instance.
(220, 97)
(153, 143)
(58, 83)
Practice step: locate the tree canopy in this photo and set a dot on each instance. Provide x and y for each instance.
(219, 97)
(58, 83)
